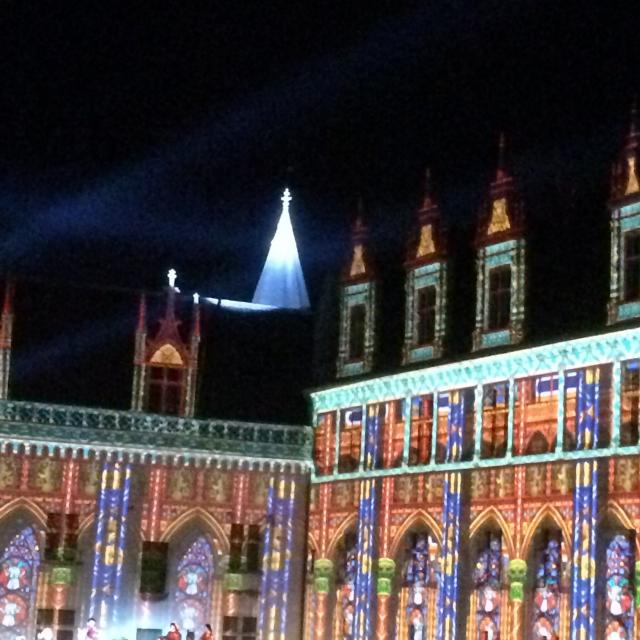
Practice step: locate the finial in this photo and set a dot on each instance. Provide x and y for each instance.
(286, 198)
(142, 313)
(196, 298)
(427, 201)
(172, 275)
(7, 308)
(500, 173)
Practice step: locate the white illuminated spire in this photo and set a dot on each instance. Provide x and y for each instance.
(172, 275)
(281, 283)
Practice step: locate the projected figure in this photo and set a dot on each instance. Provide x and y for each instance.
(192, 593)
(90, 632)
(347, 590)
(619, 599)
(546, 597)
(487, 576)
(419, 570)
(18, 578)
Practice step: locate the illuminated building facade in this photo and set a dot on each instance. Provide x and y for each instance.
(491, 496)
(143, 517)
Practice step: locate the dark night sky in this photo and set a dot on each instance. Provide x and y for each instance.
(139, 135)
(135, 136)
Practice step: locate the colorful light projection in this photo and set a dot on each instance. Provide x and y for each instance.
(367, 516)
(449, 591)
(619, 607)
(420, 570)
(546, 596)
(192, 591)
(346, 597)
(585, 508)
(111, 530)
(276, 560)
(18, 582)
(487, 576)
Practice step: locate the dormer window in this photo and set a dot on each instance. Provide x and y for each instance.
(165, 389)
(499, 313)
(425, 315)
(632, 266)
(357, 318)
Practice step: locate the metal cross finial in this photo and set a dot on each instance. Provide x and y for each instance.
(196, 298)
(172, 275)
(286, 199)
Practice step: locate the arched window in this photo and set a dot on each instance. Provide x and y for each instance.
(419, 574)
(487, 577)
(18, 581)
(619, 610)
(346, 597)
(546, 594)
(192, 589)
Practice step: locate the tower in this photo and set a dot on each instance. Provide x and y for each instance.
(624, 205)
(357, 306)
(500, 265)
(425, 285)
(166, 366)
(281, 282)
(6, 330)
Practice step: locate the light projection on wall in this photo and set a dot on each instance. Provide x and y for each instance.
(282, 283)
(486, 577)
(619, 600)
(546, 596)
(419, 571)
(347, 590)
(192, 591)
(18, 580)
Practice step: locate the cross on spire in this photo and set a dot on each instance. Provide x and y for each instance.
(286, 199)
(172, 275)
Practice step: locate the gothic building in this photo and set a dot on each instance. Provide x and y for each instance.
(485, 488)
(492, 495)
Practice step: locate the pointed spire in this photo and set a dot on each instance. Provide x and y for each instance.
(196, 315)
(281, 282)
(427, 200)
(7, 307)
(142, 313)
(359, 232)
(631, 184)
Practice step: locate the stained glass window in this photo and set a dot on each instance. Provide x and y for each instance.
(487, 578)
(18, 581)
(192, 594)
(420, 571)
(347, 589)
(546, 595)
(619, 594)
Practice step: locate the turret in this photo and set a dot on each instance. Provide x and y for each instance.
(624, 206)
(425, 284)
(166, 365)
(357, 305)
(500, 264)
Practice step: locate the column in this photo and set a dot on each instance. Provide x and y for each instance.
(277, 559)
(366, 534)
(449, 592)
(585, 510)
(323, 567)
(517, 573)
(111, 528)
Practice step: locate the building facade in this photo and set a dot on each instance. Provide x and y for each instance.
(496, 496)
(150, 516)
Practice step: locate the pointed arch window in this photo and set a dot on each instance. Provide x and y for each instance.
(192, 588)
(18, 582)
(487, 578)
(419, 584)
(346, 593)
(546, 594)
(499, 313)
(619, 605)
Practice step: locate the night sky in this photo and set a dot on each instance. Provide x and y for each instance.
(137, 136)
